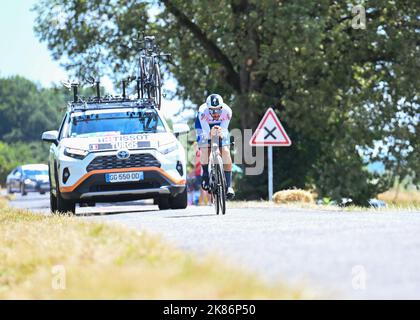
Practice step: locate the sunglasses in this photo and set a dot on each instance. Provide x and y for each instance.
(215, 111)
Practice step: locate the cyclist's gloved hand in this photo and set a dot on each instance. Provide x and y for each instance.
(216, 130)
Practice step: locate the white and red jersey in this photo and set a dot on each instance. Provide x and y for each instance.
(206, 120)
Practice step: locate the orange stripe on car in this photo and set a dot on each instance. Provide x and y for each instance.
(87, 175)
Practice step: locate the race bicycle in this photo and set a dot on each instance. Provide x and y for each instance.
(150, 84)
(217, 182)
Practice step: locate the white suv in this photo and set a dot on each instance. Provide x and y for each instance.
(116, 151)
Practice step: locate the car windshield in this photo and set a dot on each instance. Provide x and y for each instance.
(118, 123)
(34, 173)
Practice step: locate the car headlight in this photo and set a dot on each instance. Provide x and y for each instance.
(76, 153)
(168, 148)
(29, 182)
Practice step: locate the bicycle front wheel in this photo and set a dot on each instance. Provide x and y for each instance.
(221, 189)
(214, 191)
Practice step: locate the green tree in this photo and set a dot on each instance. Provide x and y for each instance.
(26, 110)
(340, 91)
(13, 155)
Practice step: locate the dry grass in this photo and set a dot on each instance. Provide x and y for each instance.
(402, 198)
(293, 195)
(111, 262)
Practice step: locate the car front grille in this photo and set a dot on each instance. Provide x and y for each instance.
(134, 161)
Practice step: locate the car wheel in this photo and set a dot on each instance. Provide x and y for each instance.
(64, 206)
(22, 190)
(180, 201)
(9, 190)
(163, 203)
(53, 202)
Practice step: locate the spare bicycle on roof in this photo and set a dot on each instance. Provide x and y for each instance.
(148, 82)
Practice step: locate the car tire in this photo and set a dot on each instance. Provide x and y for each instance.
(9, 190)
(64, 206)
(163, 203)
(180, 201)
(22, 190)
(53, 202)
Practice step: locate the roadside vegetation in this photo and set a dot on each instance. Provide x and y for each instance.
(293, 195)
(15, 154)
(401, 198)
(26, 110)
(104, 261)
(396, 200)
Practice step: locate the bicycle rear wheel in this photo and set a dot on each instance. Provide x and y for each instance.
(157, 86)
(142, 79)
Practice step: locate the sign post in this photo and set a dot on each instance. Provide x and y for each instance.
(270, 173)
(270, 133)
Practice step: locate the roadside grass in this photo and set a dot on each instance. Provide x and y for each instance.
(401, 198)
(62, 257)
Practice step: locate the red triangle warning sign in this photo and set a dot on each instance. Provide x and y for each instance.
(270, 132)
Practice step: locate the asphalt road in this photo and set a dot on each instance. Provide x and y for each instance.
(340, 254)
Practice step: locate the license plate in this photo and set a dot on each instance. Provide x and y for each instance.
(124, 177)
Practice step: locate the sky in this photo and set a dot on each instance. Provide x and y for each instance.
(22, 54)
(20, 51)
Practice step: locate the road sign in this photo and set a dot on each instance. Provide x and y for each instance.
(270, 132)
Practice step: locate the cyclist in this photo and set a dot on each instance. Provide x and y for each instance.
(213, 119)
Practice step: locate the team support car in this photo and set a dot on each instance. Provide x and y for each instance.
(28, 178)
(116, 151)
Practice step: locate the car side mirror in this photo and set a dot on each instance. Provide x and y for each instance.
(180, 128)
(50, 136)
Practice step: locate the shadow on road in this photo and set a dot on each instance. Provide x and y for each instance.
(25, 199)
(191, 216)
(98, 213)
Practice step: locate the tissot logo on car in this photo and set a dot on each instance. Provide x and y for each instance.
(123, 138)
(123, 154)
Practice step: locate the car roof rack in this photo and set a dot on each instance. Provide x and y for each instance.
(110, 102)
(99, 102)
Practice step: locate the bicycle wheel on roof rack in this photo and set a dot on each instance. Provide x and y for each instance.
(142, 77)
(156, 86)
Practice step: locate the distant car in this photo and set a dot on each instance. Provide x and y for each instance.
(28, 178)
(375, 203)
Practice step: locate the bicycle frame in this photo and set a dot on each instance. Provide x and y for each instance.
(217, 183)
(149, 71)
